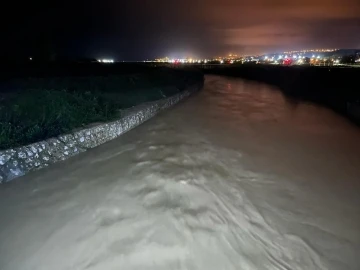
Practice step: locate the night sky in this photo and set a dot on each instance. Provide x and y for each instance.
(140, 29)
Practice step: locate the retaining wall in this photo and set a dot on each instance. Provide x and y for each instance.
(19, 161)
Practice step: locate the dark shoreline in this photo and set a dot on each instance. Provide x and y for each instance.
(42, 101)
(333, 87)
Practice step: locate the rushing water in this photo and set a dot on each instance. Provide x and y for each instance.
(236, 177)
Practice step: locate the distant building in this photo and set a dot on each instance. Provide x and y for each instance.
(163, 60)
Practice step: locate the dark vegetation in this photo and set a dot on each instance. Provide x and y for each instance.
(40, 101)
(333, 87)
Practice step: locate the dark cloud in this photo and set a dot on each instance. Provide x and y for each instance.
(138, 29)
(260, 26)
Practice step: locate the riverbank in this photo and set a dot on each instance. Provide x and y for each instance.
(39, 102)
(16, 162)
(336, 88)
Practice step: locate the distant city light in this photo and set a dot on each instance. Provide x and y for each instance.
(234, 58)
(313, 50)
(106, 61)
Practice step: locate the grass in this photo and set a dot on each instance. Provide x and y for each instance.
(34, 109)
(40, 114)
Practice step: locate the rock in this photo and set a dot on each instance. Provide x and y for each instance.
(17, 162)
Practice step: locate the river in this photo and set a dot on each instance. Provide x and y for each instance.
(236, 177)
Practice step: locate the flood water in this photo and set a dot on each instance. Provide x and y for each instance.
(236, 177)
